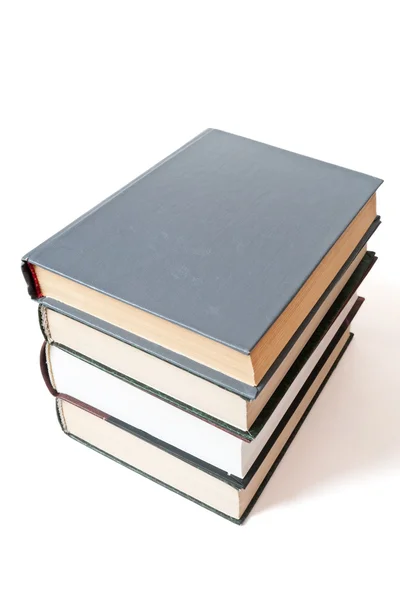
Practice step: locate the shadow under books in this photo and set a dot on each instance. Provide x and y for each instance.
(353, 429)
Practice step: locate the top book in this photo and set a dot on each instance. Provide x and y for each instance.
(218, 252)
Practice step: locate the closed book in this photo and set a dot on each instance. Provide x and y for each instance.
(218, 253)
(196, 480)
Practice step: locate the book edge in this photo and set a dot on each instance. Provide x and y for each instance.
(294, 432)
(265, 481)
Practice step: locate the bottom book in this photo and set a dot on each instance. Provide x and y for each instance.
(227, 495)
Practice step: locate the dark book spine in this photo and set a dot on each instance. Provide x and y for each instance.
(90, 409)
(32, 282)
(44, 368)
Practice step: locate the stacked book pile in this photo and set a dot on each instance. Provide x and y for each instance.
(192, 319)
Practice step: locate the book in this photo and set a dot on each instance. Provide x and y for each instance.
(229, 450)
(218, 253)
(190, 392)
(224, 494)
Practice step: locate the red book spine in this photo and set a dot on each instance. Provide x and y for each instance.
(32, 282)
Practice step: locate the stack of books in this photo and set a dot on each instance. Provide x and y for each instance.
(192, 319)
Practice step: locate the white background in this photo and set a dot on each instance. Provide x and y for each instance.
(92, 94)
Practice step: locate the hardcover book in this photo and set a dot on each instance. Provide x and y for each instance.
(218, 254)
(227, 495)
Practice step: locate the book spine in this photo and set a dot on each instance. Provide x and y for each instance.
(45, 368)
(90, 409)
(31, 280)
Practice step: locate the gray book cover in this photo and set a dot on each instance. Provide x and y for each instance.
(218, 237)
